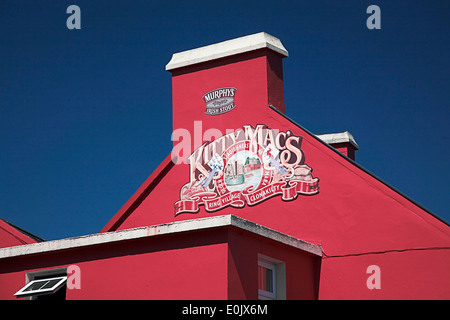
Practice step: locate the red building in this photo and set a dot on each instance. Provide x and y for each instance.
(309, 223)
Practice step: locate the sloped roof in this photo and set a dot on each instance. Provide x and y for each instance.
(326, 139)
(14, 235)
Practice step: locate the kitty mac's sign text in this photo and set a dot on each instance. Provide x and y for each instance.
(246, 167)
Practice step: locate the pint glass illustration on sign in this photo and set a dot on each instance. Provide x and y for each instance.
(246, 167)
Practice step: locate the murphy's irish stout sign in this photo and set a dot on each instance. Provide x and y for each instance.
(219, 101)
(246, 167)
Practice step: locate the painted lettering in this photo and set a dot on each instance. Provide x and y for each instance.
(252, 169)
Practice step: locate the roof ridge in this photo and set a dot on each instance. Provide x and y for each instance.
(360, 167)
(24, 232)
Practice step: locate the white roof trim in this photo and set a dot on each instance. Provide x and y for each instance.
(162, 229)
(342, 137)
(225, 49)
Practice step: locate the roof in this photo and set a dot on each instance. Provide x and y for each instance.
(319, 138)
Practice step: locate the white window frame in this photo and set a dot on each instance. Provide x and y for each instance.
(48, 275)
(278, 278)
(24, 293)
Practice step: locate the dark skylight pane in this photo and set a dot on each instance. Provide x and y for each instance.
(51, 283)
(36, 285)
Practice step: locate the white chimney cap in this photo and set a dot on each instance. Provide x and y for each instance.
(225, 49)
(342, 137)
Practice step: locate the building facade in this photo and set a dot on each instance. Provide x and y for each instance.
(249, 205)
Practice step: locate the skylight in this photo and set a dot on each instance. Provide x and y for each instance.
(41, 286)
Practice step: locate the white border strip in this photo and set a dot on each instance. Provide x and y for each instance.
(162, 229)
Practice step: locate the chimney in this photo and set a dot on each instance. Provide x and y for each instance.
(342, 142)
(220, 85)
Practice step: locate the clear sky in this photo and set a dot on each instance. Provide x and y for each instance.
(85, 115)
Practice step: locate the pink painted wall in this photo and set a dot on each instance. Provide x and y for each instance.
(187, 266)
(185, 273)
(415, 274)
(209, 264)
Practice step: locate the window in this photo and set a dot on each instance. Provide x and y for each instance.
(45, 285)
(267, 282)
(271, 278)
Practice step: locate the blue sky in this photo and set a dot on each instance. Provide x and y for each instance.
(85, 115)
